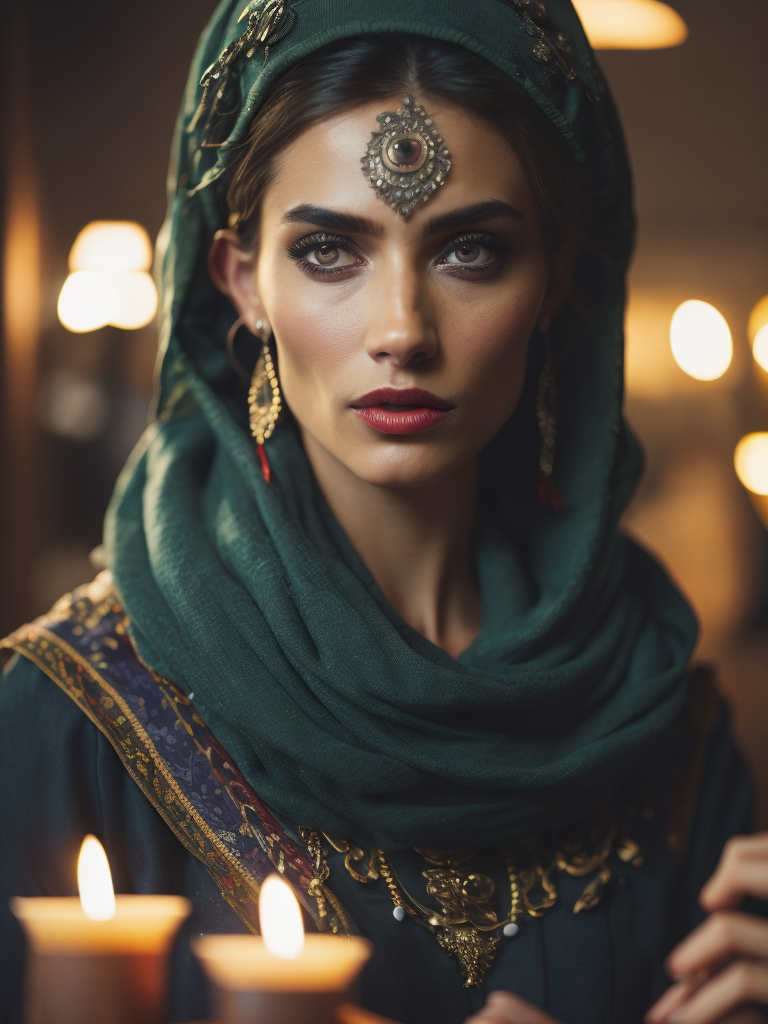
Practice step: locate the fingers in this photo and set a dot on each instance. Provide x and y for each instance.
(506, 1008)
(721, 937)
(734, 987)
(742, 871)
(673, 999)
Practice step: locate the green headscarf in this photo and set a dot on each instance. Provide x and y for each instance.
(248, 594)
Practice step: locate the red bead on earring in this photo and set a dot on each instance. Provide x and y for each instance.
(264, 403)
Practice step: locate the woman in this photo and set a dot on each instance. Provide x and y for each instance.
(400, 651)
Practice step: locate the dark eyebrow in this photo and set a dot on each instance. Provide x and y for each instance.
(332, 220)
(470, 215)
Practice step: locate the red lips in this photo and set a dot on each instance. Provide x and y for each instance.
(401, 410)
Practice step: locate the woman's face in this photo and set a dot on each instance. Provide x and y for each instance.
(360, 299)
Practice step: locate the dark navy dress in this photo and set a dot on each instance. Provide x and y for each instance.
(63, 779)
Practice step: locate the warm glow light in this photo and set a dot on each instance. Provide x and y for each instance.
(631, 24)
(280, 919)
(88, 301)
(111, 245)
(701, 340)
(751, 460)
(137, 299)
(758, 319)
(94, 880)
(109, 283)
(760, 348)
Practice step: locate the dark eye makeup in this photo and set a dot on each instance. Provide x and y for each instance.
(498, 251)
(327, 248)
(323, 246)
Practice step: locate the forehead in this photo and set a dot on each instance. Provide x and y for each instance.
(323, 166)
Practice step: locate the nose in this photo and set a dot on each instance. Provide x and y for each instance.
(400, 328)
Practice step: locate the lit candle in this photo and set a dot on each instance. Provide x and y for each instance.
(99, 959)
(282, 976)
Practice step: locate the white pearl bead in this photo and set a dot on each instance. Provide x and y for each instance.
(399, 914)
(511, 929)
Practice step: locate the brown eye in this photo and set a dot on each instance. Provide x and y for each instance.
(468, 253)
(326, 255)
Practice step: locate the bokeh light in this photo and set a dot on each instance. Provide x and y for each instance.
(701, 340)
(760, 348)
(631, 24)
(87, 301)
(111, 245)
(109, 281)
(751, 461)
(73, 406)
(758, 318)
(137, 299)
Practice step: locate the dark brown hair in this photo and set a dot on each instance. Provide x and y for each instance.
(354, 71)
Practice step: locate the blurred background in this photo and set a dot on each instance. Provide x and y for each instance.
(91, 92)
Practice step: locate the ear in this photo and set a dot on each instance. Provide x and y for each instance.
(560, 279)
(233, 270)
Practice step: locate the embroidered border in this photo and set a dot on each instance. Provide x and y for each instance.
(84, 647)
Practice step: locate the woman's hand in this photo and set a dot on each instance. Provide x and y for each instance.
(506, 1008)
(721, 968)
(500, 1008)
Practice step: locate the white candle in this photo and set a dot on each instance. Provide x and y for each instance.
(282, 976)
(98, 958)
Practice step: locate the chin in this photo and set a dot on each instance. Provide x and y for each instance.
(420, 467)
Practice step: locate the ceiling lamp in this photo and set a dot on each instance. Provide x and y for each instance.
(631, 24)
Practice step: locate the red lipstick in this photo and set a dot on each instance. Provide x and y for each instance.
(401, 410)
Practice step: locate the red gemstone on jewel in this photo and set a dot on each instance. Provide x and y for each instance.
(406, 151)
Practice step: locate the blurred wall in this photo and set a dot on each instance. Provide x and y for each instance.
(695, 119)
(102, 84)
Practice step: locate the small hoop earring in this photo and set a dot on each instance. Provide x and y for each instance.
(264, 404)
(546, 416)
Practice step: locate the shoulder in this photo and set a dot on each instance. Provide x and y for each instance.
(43, 733)
(30, 703)
(705, 790)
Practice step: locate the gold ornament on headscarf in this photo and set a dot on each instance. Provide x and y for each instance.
(407, 161)
(264, 404)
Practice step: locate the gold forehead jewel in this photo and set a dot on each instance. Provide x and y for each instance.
(407, 161)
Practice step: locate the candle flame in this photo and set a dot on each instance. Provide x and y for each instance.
(94, 880)
(280, 919)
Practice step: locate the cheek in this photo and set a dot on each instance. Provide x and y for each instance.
(316, 334)
(492, 337)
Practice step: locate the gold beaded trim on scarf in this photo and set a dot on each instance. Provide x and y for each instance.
(466, 925)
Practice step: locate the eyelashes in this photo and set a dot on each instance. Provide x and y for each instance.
(500, 253)
(300, 250)
(328, 250)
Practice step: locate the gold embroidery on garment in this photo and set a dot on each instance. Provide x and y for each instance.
(318, 890)
(466, 920)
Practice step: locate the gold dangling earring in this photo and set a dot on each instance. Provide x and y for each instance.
(264, 402)
(546, 415)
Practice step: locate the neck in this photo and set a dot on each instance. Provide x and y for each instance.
(416, 543)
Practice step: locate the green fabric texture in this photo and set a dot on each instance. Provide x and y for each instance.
(249, 595)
